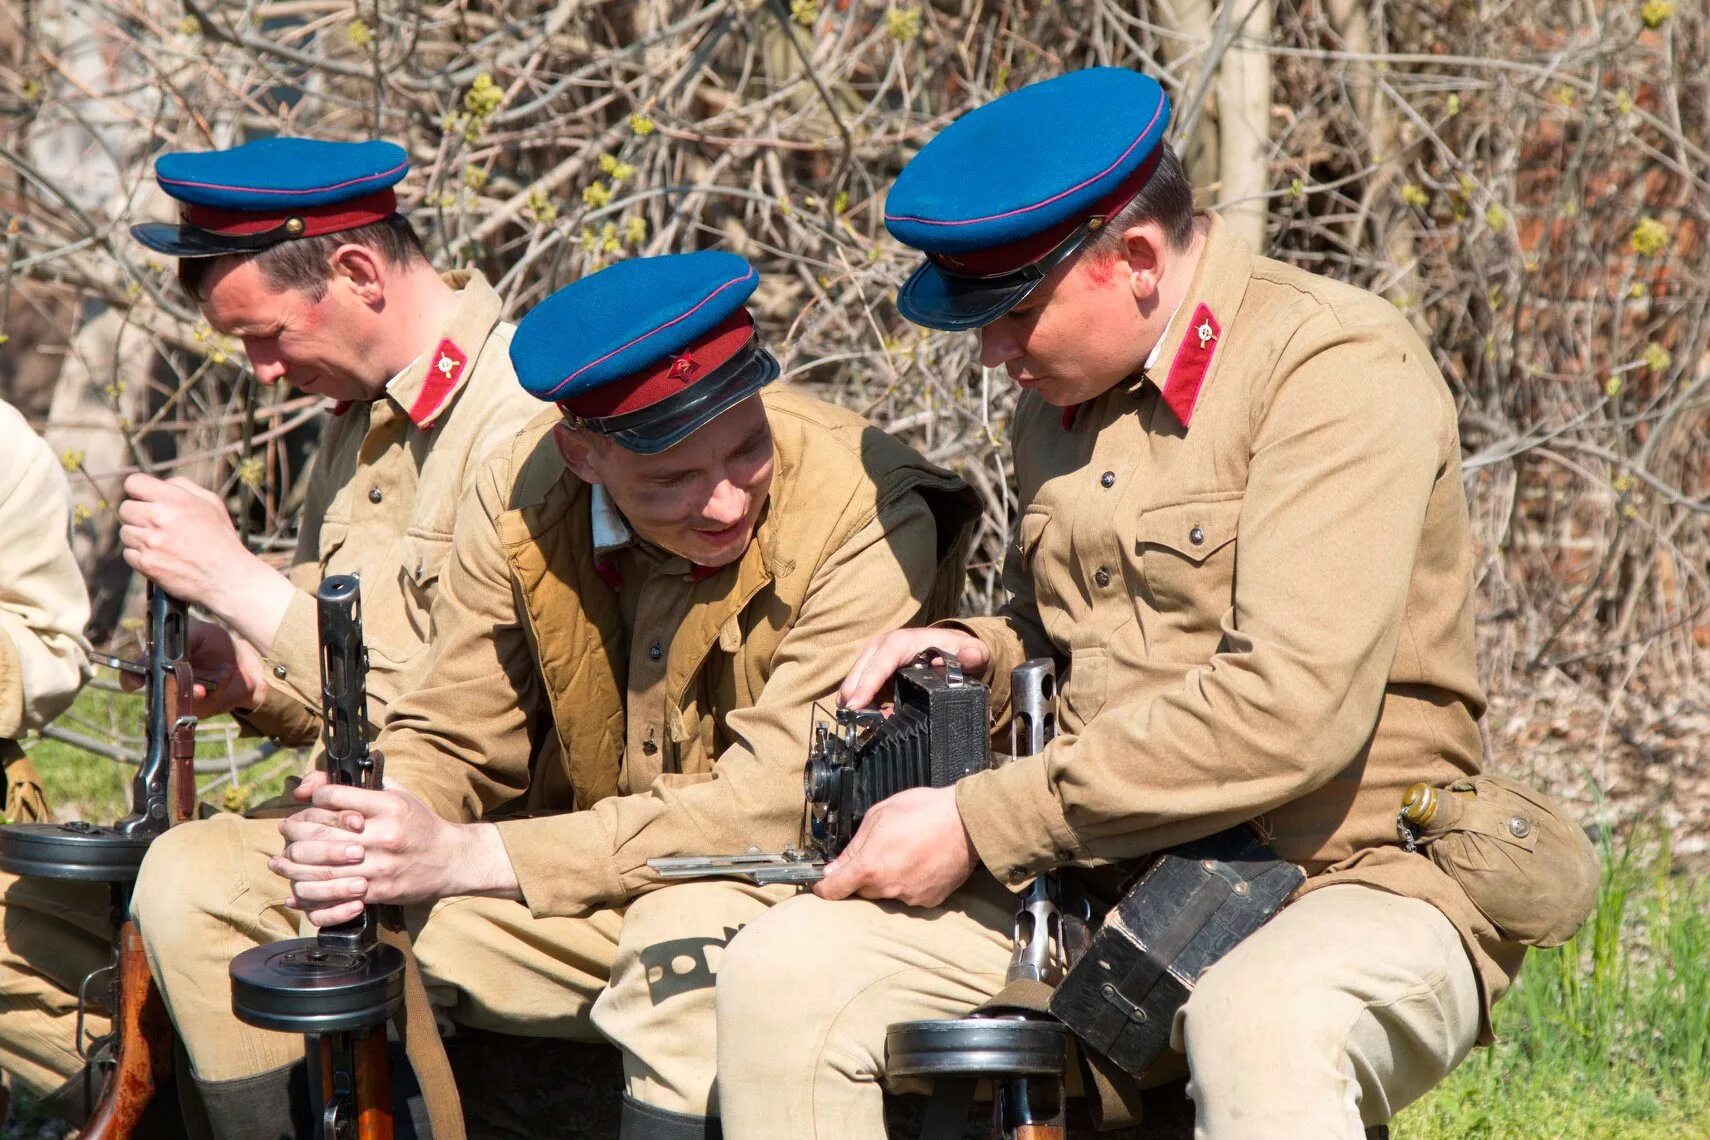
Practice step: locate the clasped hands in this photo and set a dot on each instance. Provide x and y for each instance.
(355, 846)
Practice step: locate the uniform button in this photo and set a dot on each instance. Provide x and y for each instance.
(1108, 479)
(374, 495)
(655, 651)
(1017, 874)
(1196, 535)
(649, 746)
(279, 671)
(1102, 576)
(1519, 827)
(1065, 856)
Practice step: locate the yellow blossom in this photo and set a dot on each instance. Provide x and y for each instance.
(902, 24)
(5, 339)
(235, 798)
(588, 240)
(483, 97)
(1629, 511)
(1296, 189)
(1655, 12)
(71, 459)
(597, 195)
(840, 203)
(1638, 291)
(617, 170)
(1612, 386)
(1656, 357)
(635, 229)
(189, 26)
(1624, 101)
(360, 34)
(250, 471)
(80, 513)
(1649, 238)
(474, 177)
(804, 12)
(539, 207)
(1453, 106)
(641, 125)
(1496, 217)
(609, 242)
(1415, 195)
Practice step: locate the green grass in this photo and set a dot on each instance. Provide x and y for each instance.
(1607, 1037)
(82, 785)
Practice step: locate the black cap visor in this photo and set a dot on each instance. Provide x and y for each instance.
(955, 302)
(939, 299)
(189, 241)
(669, 422)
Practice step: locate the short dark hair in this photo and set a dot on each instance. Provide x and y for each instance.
(1167, 199)
(305, 263)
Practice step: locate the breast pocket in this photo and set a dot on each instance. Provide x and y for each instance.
(423, 558)
(1186, 553)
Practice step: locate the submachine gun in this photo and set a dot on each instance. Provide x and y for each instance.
(1022, 1051)
(134, 1060)
(341, 987)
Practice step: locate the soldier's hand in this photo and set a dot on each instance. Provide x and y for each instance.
(885, 653)
(911, 847)
(353, 846)
(229, 673)
(179, 536)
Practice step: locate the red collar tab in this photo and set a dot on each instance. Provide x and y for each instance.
(296, 222)
(444, 371)
(1017, 254)
(1069, 414)
(342, 406)
(1193, 361)
(668, 377)
(698, 573)
(609, 573)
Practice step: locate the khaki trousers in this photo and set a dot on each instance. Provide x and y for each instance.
(52, 934)
(1348, 1005)
(642, 976)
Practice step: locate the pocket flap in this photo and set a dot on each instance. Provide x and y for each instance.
(423, 557)
(1193, 530)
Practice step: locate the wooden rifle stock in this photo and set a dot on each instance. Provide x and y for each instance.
(143, 1046)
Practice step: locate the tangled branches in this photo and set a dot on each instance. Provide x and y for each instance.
(1527, 182)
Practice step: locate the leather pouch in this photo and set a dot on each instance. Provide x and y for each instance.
(1189, 907)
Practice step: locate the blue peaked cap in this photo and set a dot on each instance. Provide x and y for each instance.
(646, 350)
(1027, 161)
(1013, 188)
(270, 191)
(267, 174)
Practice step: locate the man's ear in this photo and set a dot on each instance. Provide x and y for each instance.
(575, 450)
(1144, 250)
(361, 270)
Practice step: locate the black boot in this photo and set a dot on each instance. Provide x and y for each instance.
(644, 1122)
(268, 1106)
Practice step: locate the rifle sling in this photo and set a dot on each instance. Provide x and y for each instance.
(422, 1043)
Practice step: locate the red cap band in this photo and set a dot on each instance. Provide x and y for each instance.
(316, 220)
(668, 377)
(1008, 258)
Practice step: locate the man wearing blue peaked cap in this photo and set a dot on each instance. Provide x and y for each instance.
(294, 249)
(1243, 539)
(651, 590)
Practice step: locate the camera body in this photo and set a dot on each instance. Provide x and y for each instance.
(936, 733)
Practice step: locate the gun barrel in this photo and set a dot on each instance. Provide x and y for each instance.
(344, 681)
(167, 708)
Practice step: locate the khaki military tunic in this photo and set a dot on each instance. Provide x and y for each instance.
(387, 480)
(382, 495)
(1255, 561)
(575, 666)
(1253, 567)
